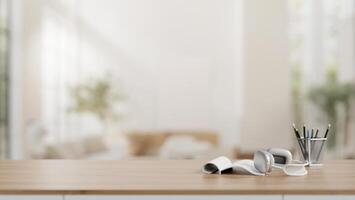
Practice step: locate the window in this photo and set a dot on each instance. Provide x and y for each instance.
(322, 58)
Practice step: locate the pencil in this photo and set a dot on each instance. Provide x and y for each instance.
(316, 133)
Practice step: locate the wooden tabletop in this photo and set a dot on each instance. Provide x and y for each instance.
(163, 177)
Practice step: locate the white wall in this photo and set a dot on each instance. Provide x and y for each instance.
(266, 120)
(16, 53)
(177, 60)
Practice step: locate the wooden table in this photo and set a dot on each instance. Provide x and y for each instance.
(85, 179)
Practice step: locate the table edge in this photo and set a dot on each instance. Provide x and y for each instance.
(177, 192)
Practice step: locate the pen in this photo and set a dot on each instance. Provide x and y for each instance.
(296, 131)
(326, 132)
(309, 146)
(312, 141)
(305, 142)
(304, 131)
(317, 133)
(300, 143)
(325, 136)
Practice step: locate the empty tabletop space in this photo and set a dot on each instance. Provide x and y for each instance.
(163, 177)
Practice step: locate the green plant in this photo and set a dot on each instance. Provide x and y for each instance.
(328, 97)
(97, 97)
(4, 85)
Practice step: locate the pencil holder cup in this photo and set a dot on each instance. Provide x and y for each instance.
(311, 150)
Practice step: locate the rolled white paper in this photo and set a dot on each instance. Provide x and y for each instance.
(218, 165)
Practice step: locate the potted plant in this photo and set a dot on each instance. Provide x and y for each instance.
(98, 97)
(331, 96)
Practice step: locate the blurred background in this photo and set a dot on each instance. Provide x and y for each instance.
(171, 79)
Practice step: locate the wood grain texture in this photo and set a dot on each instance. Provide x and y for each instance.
(163, 177)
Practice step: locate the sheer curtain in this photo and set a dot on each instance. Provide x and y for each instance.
(4, 77)
(61, 69)
(322, 37)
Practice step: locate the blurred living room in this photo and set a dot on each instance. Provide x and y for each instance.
(174, 79)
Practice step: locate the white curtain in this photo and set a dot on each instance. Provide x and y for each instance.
(322, 35)
(61, 69)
